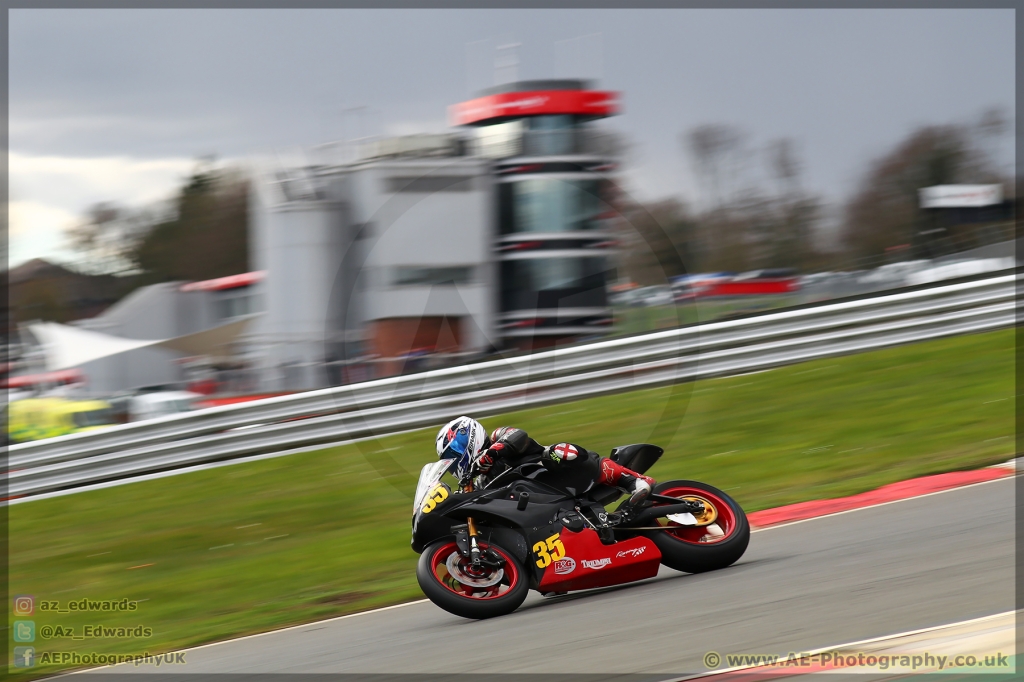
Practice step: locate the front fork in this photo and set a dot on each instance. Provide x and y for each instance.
(469, 547)
(474, 547)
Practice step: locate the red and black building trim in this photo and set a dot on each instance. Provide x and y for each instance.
(555, 244)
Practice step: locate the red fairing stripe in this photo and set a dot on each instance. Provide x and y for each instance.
(533, 103)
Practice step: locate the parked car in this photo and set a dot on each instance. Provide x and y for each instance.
(161, 404)
(655, 295)
(625, 297)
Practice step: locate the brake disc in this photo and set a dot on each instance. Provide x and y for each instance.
(455, 570)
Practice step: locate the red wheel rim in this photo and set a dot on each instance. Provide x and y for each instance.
(700, 535)
(439, 567)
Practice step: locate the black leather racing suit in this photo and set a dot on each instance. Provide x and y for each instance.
(566, 465)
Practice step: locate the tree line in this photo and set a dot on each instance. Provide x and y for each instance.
(201, 233)
(753, 210)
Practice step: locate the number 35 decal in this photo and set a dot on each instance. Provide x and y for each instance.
(438, 495)
(548, 551)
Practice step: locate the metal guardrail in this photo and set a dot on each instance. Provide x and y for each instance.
(387, 405)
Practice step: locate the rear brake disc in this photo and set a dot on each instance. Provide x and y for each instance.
(706, 517)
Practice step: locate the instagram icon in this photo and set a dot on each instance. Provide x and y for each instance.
(24, 605)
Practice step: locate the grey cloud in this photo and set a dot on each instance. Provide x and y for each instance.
(846, 84)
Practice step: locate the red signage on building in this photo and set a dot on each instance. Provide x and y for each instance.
(230, 282)
(62, 376)
(514, 104)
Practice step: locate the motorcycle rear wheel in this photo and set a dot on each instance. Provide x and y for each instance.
(697, 549)
(450, 582)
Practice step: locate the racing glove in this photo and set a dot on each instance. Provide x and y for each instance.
(487, 458)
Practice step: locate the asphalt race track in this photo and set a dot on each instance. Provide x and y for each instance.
(911, 564)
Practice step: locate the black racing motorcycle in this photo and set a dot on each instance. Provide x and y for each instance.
(482, 549)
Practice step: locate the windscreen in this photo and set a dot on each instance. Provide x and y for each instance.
(430, 474)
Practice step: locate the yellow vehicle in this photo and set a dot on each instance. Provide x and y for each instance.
(37, 418)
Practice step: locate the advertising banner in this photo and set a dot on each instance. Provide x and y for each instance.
(958, 196)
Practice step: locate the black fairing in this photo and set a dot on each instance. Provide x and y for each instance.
(604, 494)
(493, 508)
(639, 457)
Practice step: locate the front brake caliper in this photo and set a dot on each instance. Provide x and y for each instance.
(491, 559)
(462, 539)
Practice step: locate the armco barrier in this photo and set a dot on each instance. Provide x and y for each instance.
(388, 405)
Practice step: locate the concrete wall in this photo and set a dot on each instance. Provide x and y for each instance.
(428, 227)
(331, 240)
(300, 237)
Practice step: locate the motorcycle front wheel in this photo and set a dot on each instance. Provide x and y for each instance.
(718, 539)
(451, 582)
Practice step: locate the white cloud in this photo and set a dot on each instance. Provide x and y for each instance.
(111, 178)
(37, 230)
(49, 193)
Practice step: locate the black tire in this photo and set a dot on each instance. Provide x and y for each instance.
(472, 607)
(694, 557)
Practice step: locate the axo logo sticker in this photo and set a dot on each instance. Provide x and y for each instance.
(566, 565)
(596, 563)
(631, 552)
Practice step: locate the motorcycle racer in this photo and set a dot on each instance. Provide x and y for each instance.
(528, 517)
(567, 465)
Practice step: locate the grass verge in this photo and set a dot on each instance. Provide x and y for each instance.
(251, 547)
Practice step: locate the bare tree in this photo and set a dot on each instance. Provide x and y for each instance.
(199, 234)
(743, 225)
(794, 215)
(107, 237)
(784, 165)
(659, 241)
(714, 150)
(884, 213)
(989, 130)
(718, 154)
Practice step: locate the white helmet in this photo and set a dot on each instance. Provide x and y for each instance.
(461, 439)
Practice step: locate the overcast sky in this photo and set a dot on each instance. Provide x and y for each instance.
(117, 104)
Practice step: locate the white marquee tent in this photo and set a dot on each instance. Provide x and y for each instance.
(66, 347)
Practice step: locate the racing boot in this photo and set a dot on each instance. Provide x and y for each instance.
(639, 488)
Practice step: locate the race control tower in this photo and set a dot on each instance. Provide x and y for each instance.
(554, 242)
